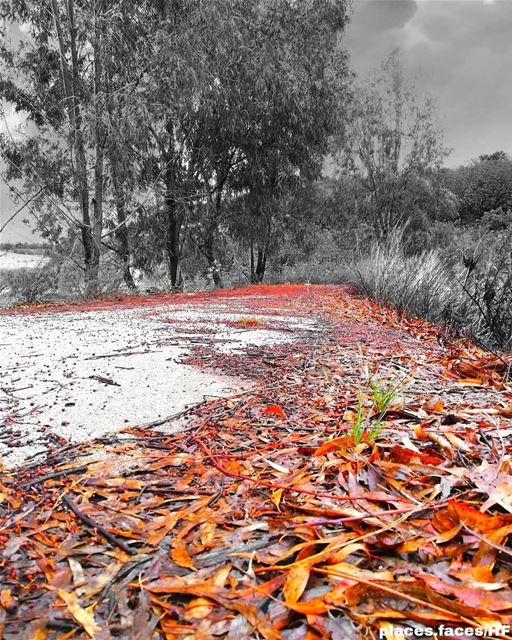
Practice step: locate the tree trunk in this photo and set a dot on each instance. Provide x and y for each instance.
(77, 144)
(174, 217)
(211, 258)
(119, 184)
(91, 252)
(172, 242)
(173, 248)
(253, 273)
(261, 265)
(122, 230)
(258, 270)
(215, 269)
(99, 144)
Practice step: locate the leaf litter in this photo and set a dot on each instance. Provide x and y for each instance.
(270, 515)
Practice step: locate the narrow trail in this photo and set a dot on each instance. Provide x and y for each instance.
(268, 514)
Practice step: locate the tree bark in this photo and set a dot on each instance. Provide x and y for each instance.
(209, 244)
(253, 273)
(261, 265)
(122, 235)
(174, 217)
(172, 242)
(77, 144)
(99, 143)
(213, 263)
(91, 254)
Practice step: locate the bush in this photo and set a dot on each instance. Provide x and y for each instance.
(31, 285)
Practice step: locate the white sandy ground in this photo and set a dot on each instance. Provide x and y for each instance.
(47, 360)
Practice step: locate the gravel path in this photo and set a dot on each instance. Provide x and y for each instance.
(72, 376)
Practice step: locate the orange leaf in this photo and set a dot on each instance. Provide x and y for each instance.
(405, 455)
(6, 599)
(435, 405)
(182, 558)
(329, 446)
(84, 617)
(295, 583)
(164, 526)
(475, 519)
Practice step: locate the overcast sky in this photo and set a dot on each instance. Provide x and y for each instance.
(458, 51)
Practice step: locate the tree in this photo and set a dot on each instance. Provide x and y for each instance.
(174, 111)
(56, 77)
(282, 107)
(393, 145)
(242, 119)
(483, 185)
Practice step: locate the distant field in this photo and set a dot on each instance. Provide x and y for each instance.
(11, 261)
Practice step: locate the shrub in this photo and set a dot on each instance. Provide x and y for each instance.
(31, 285)
(465, 288)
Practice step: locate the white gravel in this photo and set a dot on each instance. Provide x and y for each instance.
(80, 375)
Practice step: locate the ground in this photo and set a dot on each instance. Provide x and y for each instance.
(75, 375)
(351, 479)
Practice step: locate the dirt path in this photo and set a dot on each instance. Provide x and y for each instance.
(72, 375)
(359, 487)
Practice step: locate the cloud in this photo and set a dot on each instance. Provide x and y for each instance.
(458, 51)
(382, 15)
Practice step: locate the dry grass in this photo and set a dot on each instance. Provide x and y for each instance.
(477, 303)
(420, 284)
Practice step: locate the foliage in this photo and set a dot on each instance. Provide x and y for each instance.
(393, 150)
(147, 129)
(488, 285)
(417, 284)
(26, 286)
(464, 282)
(368, 420)
(482, 186)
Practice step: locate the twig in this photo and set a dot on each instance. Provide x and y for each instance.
(396, 593)
(494, 545)
(89, 522)
(108, 381)
(124, 353)
(53, 476)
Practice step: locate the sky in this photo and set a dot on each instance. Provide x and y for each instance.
(459, 52)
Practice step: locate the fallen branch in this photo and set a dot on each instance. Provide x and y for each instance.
(105, 380)
(120, 355)
(89, 522)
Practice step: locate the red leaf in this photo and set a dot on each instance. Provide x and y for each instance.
(276, 410)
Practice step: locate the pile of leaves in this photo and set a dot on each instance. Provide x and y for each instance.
(362, 487)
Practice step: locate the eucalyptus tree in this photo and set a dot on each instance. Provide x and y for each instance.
(393, 147)
(160, 115)
(55, 76)
(263, 123)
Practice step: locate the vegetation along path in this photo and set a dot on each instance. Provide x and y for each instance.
(357, 481)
